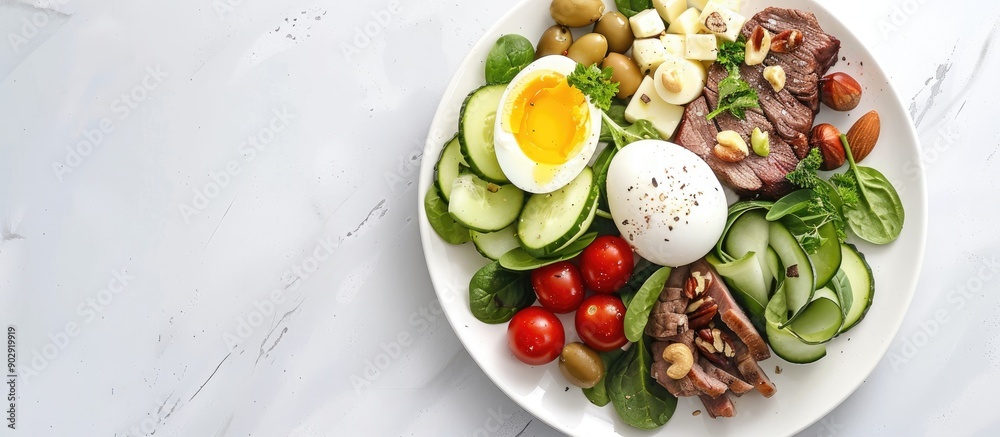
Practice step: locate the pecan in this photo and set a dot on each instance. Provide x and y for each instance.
(709, 307)
(706, 334)
(689, 288)
(701, 321)
(715, 23)
(709, 352)
(696, 284)
(786, 41)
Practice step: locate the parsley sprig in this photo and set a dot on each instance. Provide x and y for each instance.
(735, 94)
(823, 206)
(595, 83)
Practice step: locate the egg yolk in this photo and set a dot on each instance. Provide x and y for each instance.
(549, 118)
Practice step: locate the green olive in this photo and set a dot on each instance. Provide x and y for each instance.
(589, 49)
(615, 27)
(626, 73)
(554, 41)
(576, 13)
(581, 365)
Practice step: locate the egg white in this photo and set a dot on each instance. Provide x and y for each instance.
(520, 169)
(666, 201)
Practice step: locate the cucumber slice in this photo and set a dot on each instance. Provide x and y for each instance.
(821, 320)
(745, 278)
(737, 210)
(551, 221)
(826, 260)
(475, 132)
(750, 233)
(584, 228)
(494, 244)
(790, 348)
(484, 206)
(798, 289)
(447, 167)
(859, 274)
(785, 344)
(773, 264)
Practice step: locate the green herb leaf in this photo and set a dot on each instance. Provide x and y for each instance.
(731, 56)
(629, 8)
(637, 313)
(442, 222)
(495, 293)
(509, 55)
(735, 94)
(641, 130)
(640, 401)
(594, 83)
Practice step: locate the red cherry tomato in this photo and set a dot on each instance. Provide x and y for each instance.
(535, 336)
(558, 286)
(600, 322)
(606, 264)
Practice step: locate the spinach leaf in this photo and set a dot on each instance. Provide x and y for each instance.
(598, 394)
(640, 273)
(519, 260)
(790, 204)
(639, 400)
(629, 8)
(878, 215)
(495, 293)
(842, 286)
(509, 56)
(442, 223)
(640, 130)
(617, 114)
(637, 313)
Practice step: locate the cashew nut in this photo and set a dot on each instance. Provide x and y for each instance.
(775, 75)
(680, 358)
(672, 81)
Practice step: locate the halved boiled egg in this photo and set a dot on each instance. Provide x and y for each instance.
(546, 130)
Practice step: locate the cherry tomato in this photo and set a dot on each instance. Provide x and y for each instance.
(558, 286)
(600, 322)
(535, 336)
(606, 264)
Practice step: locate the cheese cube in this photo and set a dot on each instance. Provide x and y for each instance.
(701, 47)
(673, 43)
(648, 54)
(732, 21)
(732, 5)
(698, 4)
(647, 105)
(686, 23)
(647, 24)
(669, 10)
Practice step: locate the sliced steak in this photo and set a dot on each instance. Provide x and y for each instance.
(771, 170)
(696, 382)
(786, 115)
(735, 384)
(751, 371)
(678, 276)
(668, 318)
(730, 312)
(683, 387)
(698, 135)
(704, 382)
(805, 65)
(721, 406)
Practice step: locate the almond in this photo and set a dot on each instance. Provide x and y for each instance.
(864, 134)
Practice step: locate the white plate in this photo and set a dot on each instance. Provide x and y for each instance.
(805, 392)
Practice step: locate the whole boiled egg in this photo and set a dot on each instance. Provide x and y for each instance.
(546, 130)
(666, 201)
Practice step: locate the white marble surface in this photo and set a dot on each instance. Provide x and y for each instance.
(232, 249)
